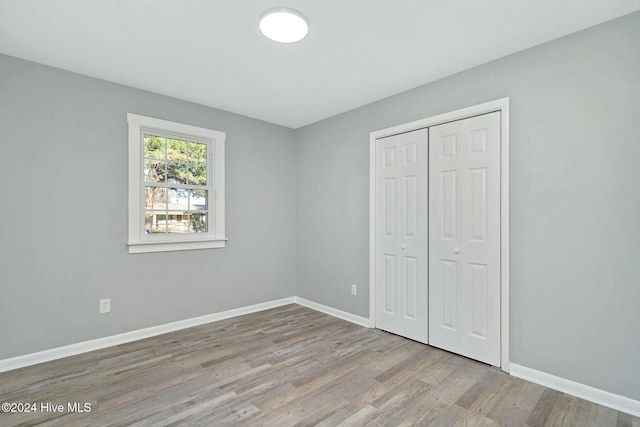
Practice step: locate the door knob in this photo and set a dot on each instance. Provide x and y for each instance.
(403, 247)
(456, 251)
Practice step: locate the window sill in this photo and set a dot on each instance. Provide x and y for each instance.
(168, 246)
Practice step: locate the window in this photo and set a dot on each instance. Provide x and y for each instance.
(176, 186)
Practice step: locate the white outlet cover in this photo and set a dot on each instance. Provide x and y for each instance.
(105, 305)
(354, 290)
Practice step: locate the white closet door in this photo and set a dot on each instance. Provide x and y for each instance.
(401, 234)
(464, 237)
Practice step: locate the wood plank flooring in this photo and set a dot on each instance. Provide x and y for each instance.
(289, 366)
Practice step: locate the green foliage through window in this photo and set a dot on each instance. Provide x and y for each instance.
(172, 161)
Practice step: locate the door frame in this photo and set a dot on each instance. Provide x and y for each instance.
(501, 105)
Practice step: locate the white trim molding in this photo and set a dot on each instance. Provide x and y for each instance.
(592, 394)
(333, 312)
(100, 343)
(501, 105)
(113, 340)
(140, 239)
(601, 397)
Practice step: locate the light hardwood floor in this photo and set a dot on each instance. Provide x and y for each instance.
(283, 367)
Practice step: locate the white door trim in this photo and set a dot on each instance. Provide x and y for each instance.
(501, 105)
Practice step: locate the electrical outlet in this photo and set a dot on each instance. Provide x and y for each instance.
(105, 305)
(354, 289)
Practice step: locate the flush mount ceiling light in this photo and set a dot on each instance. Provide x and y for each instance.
(284, 25)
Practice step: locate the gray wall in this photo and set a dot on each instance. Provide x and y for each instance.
(575, 203)
(574, 206)
(63, 207)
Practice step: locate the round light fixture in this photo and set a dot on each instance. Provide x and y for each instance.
(284, 25)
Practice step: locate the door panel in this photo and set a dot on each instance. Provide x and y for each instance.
(449, 284)
(389, 285)
(401, 234)
(447, 203)
(464, 237)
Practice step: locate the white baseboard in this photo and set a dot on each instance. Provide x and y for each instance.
(333, 312)
(601, 397)
(99, 343)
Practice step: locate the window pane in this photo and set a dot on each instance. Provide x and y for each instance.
(178, 200)
(198, 222)
(155, 198)
(154, 170)
(154, 147)
(197, 175)
(177, 150)
(177, 173)
(155, 222)
(177, 222)
(198, 200)
(197, 153)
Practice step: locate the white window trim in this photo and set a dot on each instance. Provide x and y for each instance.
(215, 237)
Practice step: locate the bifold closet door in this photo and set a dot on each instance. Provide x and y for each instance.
(401, 234)
(464, 237)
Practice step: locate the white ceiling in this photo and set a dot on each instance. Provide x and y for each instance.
(357, 51)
